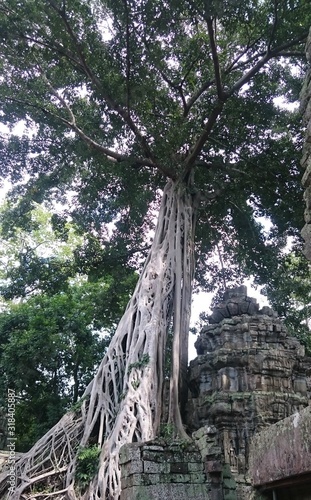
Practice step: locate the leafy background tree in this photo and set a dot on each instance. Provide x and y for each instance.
(289, 293)
(129, 100)
(55, 323)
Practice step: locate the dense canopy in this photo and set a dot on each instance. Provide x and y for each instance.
(161, 88)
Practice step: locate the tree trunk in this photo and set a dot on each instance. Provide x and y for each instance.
(123, 403)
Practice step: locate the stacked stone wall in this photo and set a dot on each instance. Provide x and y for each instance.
(165, 470)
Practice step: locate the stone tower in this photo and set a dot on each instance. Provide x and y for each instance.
(248, 374)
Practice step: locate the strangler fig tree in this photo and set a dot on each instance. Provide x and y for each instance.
(123, 102)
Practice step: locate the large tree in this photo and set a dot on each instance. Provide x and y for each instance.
(127, 101)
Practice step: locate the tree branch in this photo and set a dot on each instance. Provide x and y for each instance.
(266, 57)
(193, 99)
(128, 61)
(170, 83)
(190, 160)
(233, 65)
(90, 142)
(276, 52)
(180, 90)
(275, 22)
(52, 494)
(72, 122)
(216, 111)
(291, 53)
(249, 75)
(109, 100)
(211, 34)
(288, 45)
(54, 46)
(206, 85)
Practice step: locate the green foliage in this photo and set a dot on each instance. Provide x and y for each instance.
(78, 405)
(135, 384)
(163, 73)
(289, 292)
(123, 395)
(50, 347)
(52, 341)
(87, 465)
(141, 362)
(167, 431)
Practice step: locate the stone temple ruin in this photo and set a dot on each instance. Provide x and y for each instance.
(247, 413)
(249, 375)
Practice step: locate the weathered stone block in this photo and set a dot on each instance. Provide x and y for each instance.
(268, 311)
(179, 478)
(173, 456)
(217, 316)
(229, 495)
(154, 456)
(155, 468)
(166, 491)
(152, 447)
(195, 466)
(238, 291)
(130, 452)
(197, 477)
(192, 456)
(243, 307)
(213, 466)
(132, 467)
(307, 196)
(307, 215)
(253, 307)
(229, 483)
(306, 178)
(282, 450)
(300, 385)
(140, 479)
(233, 308)
(179, 467)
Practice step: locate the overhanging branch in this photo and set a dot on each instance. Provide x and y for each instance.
(109, 153)
(217, 109)
(123, 113)
(270, 54)
(275, 23)
(190, 161)
(128, 61)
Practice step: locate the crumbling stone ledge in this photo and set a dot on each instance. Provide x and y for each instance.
(281, 451)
